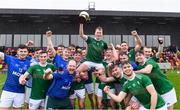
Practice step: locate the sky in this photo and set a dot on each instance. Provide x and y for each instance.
(108, 5)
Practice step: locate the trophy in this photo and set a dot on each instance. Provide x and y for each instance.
(83, 17)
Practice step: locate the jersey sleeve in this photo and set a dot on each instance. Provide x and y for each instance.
(57, 75)
(53, 67)
(57, 59)
(7, 58)
(124, 88)
(89, 40)
(151, 62)
(30, 70)
(146, 81)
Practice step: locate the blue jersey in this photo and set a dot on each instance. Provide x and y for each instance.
(90, 80)
(134, 65)
(16, 67)
(61, 85)
(59, 62)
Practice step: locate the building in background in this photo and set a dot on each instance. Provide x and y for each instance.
(18, 25)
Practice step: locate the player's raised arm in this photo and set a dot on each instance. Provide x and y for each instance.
(81, 32)
(115, 54)
(138, 41)
(160, 47)
(83, 18)
(49, 42)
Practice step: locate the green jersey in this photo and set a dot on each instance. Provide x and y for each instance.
(121, 80)
(154, 58)
(159, 80)
(39, 85)
(137, 87)
(131, 55)
(95, 50)
(78, 85)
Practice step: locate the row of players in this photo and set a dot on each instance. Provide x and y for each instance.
(56, 80)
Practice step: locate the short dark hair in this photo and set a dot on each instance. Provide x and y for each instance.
(42, 52)
(123, 42)
(122, 53)
(61, 45)
(72, 45)
(77, 51)
(37, 49)
(99, 28)
(125, 63)
(22, 46)
(139, 51)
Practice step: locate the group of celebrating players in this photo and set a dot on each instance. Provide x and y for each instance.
(53, 79)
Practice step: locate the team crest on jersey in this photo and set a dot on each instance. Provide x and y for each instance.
(102, 44)
(133, 85)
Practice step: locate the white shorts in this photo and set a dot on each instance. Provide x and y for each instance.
(170, 97)
(162, 108)
(27, 94)
(89, 87)
(100, 93)
(79, 93)
(93, 64)
(9, 99)
(96, 88)
(35, 104)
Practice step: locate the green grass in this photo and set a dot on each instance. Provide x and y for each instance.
(172, 75)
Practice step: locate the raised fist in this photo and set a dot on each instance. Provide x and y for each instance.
(134, 33)
(106, 89)
(160, 40)
(49, 33)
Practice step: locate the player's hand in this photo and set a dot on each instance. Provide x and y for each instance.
(30, 43)
(22, 80)
(160, 40)
(106, 89)
(49, 33)
(134, 33)
(48, 71)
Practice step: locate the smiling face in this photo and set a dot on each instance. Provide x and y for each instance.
(77, 57)
(108, 54)
(22, 53)
(124, 47)
(98, 33)
(123, 58)
(43, 58)
(66, 54)
(147, 52)
(60, 50)
(139, 57)
(127, 69)
(71, 67)
(116, 71)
